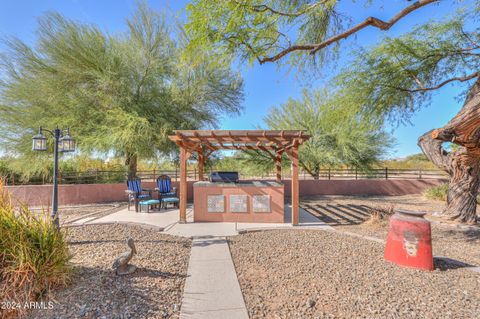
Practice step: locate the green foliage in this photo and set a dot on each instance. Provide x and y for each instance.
(285, 30)
(247, 166)
(120, 94)
(440, 193)
(340, 136)
(416, 161)
(394, 77)
(34, 256)
(437, 192)
(253, 29)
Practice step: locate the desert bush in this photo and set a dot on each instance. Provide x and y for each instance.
(379, 215)
(34, 257)
(440, 193)
(436, 192)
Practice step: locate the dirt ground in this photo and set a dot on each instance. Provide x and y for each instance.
(349, 213)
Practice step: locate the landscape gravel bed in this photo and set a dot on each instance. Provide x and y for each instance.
(448, 240)
(327, 274)
(153, 291)
(460, 243)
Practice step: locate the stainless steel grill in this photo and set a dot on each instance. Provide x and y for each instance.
(225, 177)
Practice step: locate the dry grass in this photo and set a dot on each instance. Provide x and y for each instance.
(33, 255)
(379, 215)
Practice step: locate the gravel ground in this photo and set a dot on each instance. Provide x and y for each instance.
(69, 214)
(320, 274)
(448, 241)
(153, 291)
(345, 214)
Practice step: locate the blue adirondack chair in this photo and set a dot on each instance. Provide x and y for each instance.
(136, 193)
(166, 193)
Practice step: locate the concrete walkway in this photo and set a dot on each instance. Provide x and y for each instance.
(212, 289)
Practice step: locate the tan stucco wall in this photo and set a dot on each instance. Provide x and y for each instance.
(40, 195)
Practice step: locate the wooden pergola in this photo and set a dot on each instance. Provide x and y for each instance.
(205, 142)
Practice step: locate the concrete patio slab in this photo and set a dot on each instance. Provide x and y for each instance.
(162, 219)
(212, 289)
(168, 221)
(191, 229)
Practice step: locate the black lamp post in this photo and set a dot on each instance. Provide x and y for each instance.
(62, 143)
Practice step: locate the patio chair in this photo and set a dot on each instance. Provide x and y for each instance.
(166, 193)
(136, 193)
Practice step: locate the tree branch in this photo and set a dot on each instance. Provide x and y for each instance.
(371, 21)
(423, 89)
(432, 148)
(264, 7)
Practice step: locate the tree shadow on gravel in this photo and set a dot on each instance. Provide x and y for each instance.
(445, 263)
(143, 272)
(338, 214)
(137, 241)
(471, 234)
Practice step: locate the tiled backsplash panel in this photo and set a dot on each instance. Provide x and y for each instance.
(239, 203)
(261, 203)
(216, 203)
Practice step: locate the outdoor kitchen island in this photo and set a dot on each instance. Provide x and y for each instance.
(235, 200)
(242, 201)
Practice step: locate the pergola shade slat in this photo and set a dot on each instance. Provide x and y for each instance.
(238, 140)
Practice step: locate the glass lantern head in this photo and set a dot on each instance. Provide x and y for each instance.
(39, 141)
(66, 143)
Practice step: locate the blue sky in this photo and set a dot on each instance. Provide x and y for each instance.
(265, 85)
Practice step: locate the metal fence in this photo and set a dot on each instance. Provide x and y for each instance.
(104, 177)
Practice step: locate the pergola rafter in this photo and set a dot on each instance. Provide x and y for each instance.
(205, 142)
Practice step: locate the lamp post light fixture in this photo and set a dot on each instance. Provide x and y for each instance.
(62, 143)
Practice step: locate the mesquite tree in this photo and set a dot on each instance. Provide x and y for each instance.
(395, 78)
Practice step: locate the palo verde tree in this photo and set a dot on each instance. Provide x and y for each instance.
(120, 94)
(398, 76)
(340, 136)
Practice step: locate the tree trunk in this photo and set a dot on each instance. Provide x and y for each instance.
(314, 172)
(463, 165)
(131, 164)
(463, 189)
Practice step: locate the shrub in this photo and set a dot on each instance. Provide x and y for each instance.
(379, 215)
(437, 192)
(440, 193)
(34, 256)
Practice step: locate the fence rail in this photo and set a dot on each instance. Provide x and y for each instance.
(103, 177)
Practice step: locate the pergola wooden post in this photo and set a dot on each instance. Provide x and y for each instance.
(293, 155)
(201, 165)
(184, 155)
(278, 167)
(204, 143)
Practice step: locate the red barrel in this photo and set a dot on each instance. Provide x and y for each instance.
(409, 241)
